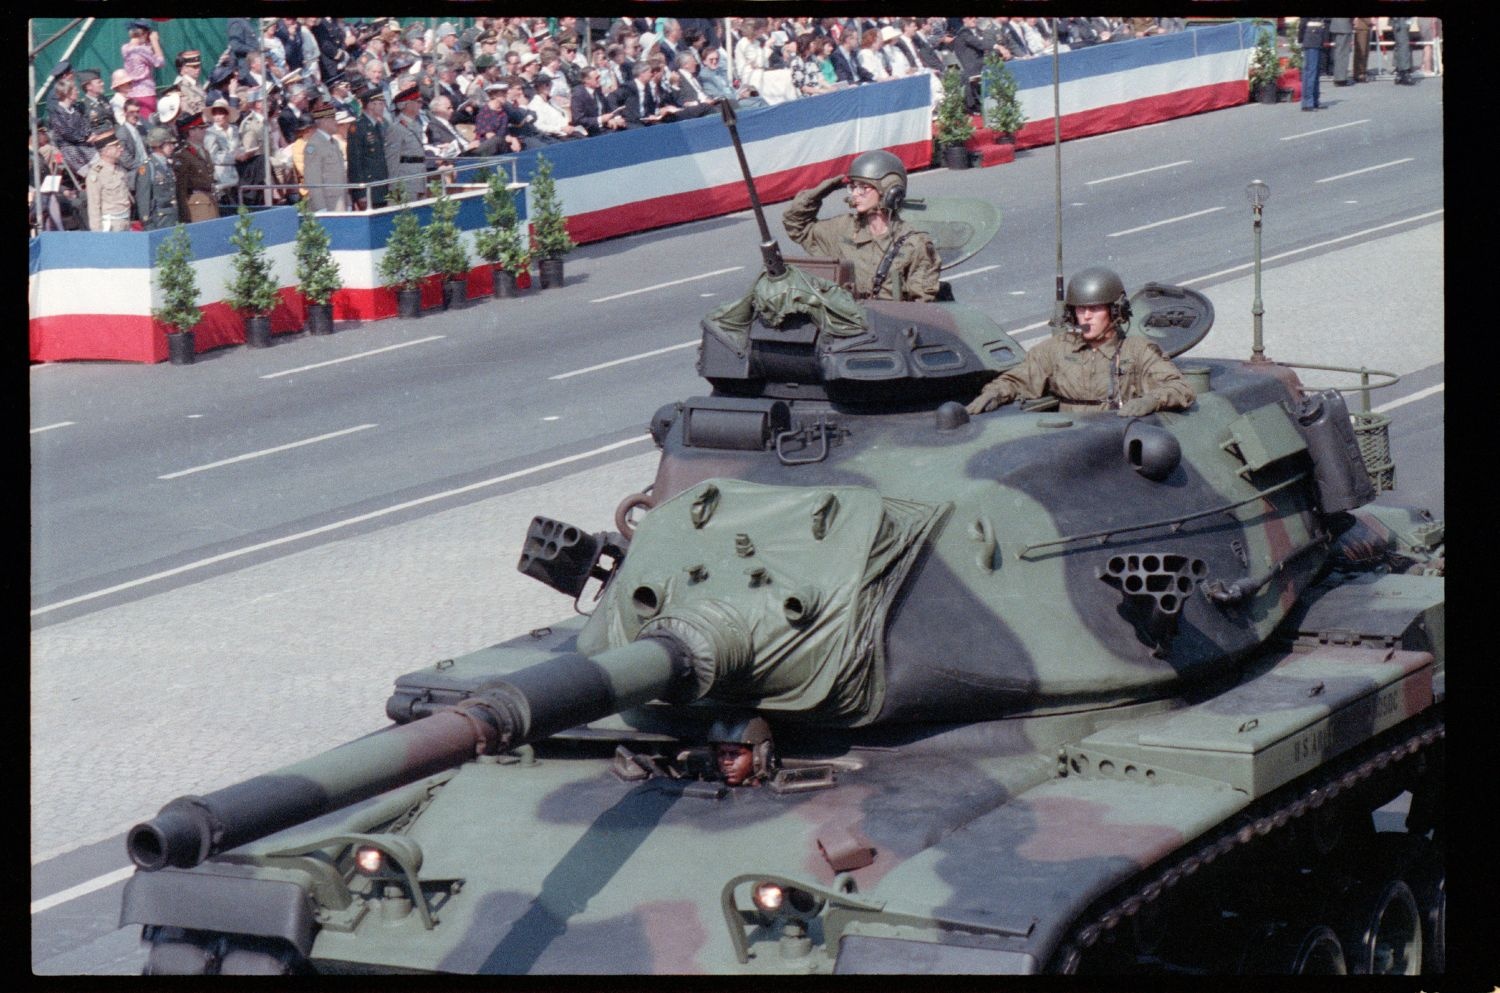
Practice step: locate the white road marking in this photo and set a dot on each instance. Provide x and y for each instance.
(82, 889)
(49, 427)
(336, 525)
(1358, 172)
(1170, 220)
(1409, 398)
(350, 358)
(265, 451)
(628, 358)
(675, 282)
(972, 272)
(1335, 127)
(1322, 244)
(1138, 172)
(1019, 332)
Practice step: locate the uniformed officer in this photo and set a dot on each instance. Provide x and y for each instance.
(367, 152)
(1342, 29)
(323, 167)
(891, 260)
(97, 112)
(106, 184)
(405, 151)
(195, 173)
(1401, 39)
(1312, 32)
(744, 753)
(156, 192)
(189, 68)
(1093, 366)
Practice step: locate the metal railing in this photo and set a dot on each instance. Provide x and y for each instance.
(464, 171)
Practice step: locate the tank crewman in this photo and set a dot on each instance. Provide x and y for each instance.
(195, 172)
(744, 753)
(1094, 366)
(156, 194)
(891, 260)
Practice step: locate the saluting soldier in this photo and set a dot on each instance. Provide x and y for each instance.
(367, 152)
(195, 173)
(891, 260)
(405, 151)
(189, 68)
(156, 189)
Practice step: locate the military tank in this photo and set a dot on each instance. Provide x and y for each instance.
(1033, 691)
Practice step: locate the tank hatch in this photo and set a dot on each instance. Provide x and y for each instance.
(958, 226)
(1174, 318)
(798, 336)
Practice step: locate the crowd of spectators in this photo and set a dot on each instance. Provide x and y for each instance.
(397, 102)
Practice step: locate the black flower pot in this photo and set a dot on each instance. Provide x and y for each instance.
(182, 348)
(505, 284)
(955, 157)
(409, 302)
(258, 331)
(551, 271)
(455, 294)
(319, 318)
(1266, 93)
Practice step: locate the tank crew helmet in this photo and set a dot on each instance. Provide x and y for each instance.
(1096, 286)
(885, 172)
(752, 732)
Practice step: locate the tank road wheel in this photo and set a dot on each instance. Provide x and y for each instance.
(1383, 935)
(260, 957)
(175, 952)
(1295, 950)
(1429, 884)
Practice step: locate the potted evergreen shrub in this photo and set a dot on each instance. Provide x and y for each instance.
(1002, 112)
(252, 288)
(446, 253)
(954, 127)
(1264, 68)
(405, 260)
(179, 291)
(549, 229)
(317, 272)
(502, 244)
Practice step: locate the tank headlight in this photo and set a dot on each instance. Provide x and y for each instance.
(369, 860)
(768, 896)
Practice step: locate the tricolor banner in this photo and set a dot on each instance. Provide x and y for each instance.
(1126, 84)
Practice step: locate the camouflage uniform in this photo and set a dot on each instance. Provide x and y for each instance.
(914, 272)
(1079, 375)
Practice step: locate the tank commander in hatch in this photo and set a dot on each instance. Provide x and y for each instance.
(743, 751)
(1094, 366)
(891, 260)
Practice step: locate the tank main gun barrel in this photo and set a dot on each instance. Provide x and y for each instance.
(770, 251)
(526, 706)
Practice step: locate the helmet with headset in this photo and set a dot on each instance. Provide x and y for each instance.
(884, 171)
(1097, 286)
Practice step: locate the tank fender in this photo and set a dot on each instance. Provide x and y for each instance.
(231, 899)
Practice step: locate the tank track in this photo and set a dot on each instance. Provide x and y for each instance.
(1263, 823)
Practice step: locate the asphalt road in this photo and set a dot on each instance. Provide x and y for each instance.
(324, 527)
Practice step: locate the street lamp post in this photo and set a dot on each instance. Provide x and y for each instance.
(1258, 193)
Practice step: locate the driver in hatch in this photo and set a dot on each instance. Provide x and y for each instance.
(744, 754)
(1094, 366)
